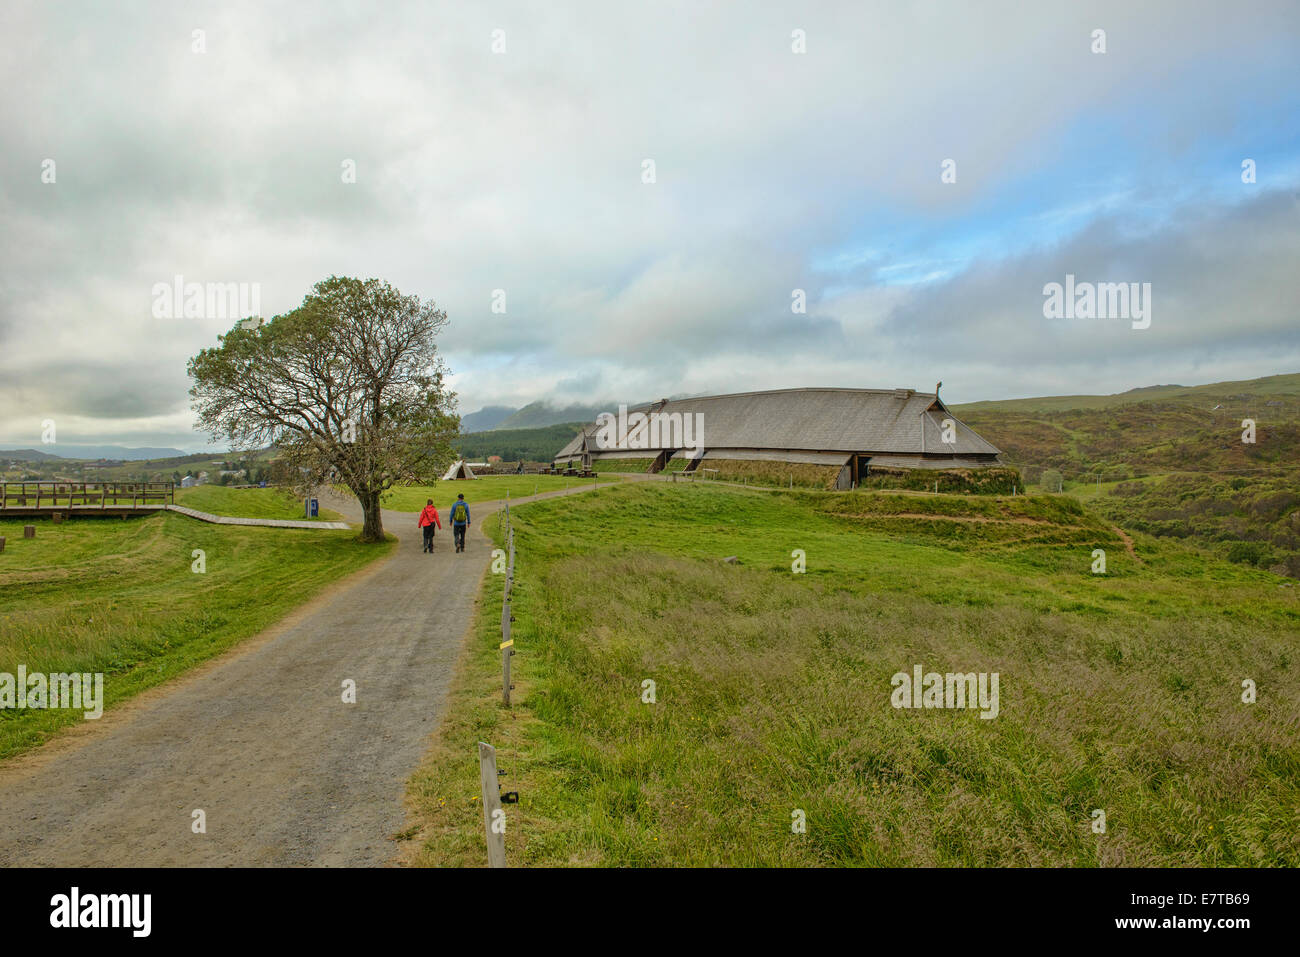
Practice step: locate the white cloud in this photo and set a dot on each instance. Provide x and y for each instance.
(522, 171)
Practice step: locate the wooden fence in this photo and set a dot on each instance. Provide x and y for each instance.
(51, 496)
(494, 820)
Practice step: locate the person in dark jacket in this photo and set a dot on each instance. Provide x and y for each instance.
(428, 519)
(459, 521)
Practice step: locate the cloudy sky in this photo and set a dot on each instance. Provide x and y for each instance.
(523, 170)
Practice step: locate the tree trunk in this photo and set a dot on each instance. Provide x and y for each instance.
(373, 528)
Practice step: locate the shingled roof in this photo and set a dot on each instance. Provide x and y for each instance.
(867, 421)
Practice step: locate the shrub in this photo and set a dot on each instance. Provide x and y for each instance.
(1249, 553)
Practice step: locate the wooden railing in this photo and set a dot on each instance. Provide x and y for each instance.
(28, 495)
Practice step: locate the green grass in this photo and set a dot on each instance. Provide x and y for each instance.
(1119, 692)
(119, 597)
(489, 488)
(248, 503)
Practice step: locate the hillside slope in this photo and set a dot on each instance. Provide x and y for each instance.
(1170, 460)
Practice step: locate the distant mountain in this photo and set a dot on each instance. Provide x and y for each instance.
(26, 455)
(538, 414)
(488, 417)
(117, 452)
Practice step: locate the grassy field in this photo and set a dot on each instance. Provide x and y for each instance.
(120, 597)
(1119, 692)
(489, 488)
(249, 503)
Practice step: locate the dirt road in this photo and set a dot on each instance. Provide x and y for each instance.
(260, 739)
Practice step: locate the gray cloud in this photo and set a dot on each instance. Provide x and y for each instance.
(1220, 283)
(522, 172)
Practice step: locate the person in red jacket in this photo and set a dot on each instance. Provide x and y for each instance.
(428, 519)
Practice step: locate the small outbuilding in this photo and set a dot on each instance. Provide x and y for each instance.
(460, 470)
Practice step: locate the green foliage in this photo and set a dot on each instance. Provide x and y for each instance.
(1248, 553)
(1170, 461)
(349, 387)
(513, 445)
(1253, 519)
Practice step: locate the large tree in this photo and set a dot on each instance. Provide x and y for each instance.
(349, 387)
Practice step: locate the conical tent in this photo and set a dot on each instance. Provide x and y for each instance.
(460, 470)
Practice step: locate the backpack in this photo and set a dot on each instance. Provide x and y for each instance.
(459, 511)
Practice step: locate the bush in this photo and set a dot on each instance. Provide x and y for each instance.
(1249, 553)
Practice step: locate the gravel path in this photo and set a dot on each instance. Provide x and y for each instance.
(260, 738)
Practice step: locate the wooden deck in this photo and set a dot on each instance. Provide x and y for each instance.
(84, 499)
(64, 500)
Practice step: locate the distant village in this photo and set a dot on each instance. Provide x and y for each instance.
(185, 472)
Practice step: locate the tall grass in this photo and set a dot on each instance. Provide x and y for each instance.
(1119, 692)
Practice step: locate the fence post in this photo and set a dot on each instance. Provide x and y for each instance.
(507, 642)
(487, 772)
(506, 652)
